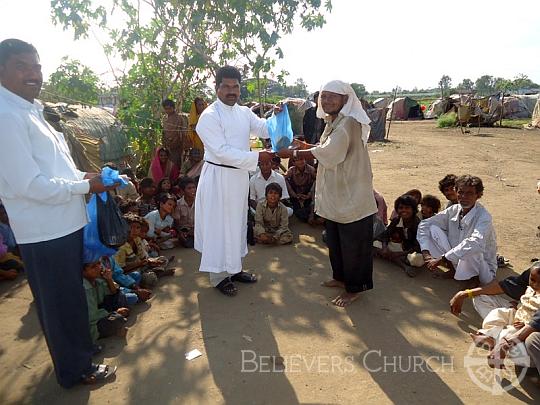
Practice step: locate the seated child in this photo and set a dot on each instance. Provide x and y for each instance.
(164, 186)
(380, 220)
(161, 222)
(300, 178)
(130, 255)
(129, 283)
(271, 218)
(98, 284)
(505, 323)
(416, 194)
(430, 205)
(184, 214)
(129, 206)
(447, 186)
(150, 246)
(146, 202)
(399, 239)
(9, 266)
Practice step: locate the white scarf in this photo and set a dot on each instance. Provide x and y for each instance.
(352, 108)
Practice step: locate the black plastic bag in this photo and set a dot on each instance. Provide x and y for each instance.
(113, 229)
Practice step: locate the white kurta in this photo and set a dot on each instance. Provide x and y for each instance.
(221, 203)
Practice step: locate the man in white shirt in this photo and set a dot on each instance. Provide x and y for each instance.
(221, 203)
(461, 237)
(262, 178)
(43, 193)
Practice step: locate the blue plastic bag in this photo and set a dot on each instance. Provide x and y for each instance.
(110, 176)
(280, 129)
(92, 242)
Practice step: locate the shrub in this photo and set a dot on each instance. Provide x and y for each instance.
(447, 120)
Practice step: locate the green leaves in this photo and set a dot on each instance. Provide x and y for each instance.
(73, 83)
(179, 44)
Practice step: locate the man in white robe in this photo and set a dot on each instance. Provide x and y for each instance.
(221, 204)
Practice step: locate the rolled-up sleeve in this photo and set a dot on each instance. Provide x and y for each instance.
(21, 172)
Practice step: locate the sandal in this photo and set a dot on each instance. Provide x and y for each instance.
(502, 261)
(101, 373)
(244, 277)
(227, 287)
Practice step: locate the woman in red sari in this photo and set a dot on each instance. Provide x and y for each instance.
(162, 166)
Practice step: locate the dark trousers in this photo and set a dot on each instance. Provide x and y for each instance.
(350, 249)
(54, 270)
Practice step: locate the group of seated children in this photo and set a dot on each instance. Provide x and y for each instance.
(168, 209)
(114, 283)
(458, 242)
(274, 197)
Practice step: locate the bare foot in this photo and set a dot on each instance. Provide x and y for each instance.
(345, 299)
(333, 283)
(484, 341)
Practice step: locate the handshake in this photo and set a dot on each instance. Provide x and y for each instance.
(266, 155)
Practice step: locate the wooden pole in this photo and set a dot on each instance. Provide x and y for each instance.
(391, 111)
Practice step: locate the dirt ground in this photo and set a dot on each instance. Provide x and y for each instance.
(397, 344)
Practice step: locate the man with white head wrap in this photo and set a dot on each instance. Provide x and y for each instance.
(344, 190)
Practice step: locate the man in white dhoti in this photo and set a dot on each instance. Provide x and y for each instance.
(461, 237)
(221, 204)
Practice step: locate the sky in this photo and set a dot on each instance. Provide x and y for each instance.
(381, 44)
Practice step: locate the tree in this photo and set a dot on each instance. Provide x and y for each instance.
(444, 84)
(174, 45)
(359, 89)
(299, 89)
(522, 81)
(503, 85)
(73, 83)
(466, 85)
(485, 85)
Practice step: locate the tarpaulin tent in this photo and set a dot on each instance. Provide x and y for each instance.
(377, 124)
(515, 108)
(93, 134)
(382, 102)
(404, 108)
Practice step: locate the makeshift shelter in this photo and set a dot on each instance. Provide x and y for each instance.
(528, 100)
(514, 107)
(377, 124)
(382, 102)
(94, 136)
(439, 107)
(404, 108)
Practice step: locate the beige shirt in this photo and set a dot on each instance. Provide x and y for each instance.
(344, 188)
(274, 221)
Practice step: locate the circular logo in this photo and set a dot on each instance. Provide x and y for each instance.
(497, 380)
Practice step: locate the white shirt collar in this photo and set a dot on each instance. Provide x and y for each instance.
(260, 176)
(221, 104)
(467, 218)
(19, 101)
